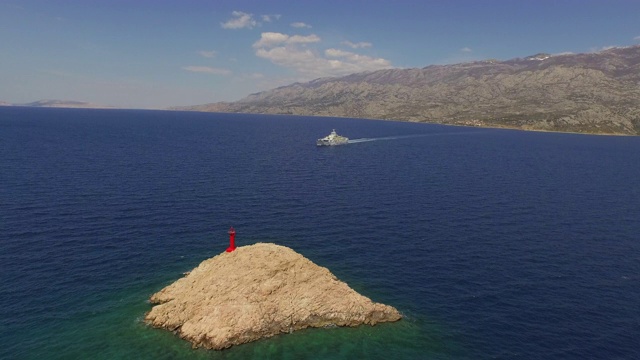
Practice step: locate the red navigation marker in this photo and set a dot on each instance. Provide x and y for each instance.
(232, 240)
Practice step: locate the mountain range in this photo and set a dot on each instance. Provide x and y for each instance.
(586, 93)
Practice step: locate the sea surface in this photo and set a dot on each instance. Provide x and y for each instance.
(494, 244)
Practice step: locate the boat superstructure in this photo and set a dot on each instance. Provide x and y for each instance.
(332, 139)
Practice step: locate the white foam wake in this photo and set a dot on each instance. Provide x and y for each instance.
(355, 141)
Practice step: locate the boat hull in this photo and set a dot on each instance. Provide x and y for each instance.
(331, 143)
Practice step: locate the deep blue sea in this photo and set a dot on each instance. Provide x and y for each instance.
(494, 244)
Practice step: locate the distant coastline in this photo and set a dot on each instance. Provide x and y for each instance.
(60, 104)
(83, 105)
(589, 93)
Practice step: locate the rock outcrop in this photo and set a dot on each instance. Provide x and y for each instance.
(587, 93)
(258, 291)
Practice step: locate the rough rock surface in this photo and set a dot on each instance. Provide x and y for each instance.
(588, 93)
(258, 291)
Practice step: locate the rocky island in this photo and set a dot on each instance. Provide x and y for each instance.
(255, 292)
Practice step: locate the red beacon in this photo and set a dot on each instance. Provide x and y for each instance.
(232, 240)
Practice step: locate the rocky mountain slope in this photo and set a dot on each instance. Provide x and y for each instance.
(259, 291)
(587, 93)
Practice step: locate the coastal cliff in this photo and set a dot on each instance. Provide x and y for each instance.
(595, 93)
(259, 291)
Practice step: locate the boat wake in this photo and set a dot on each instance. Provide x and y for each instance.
(355, 141)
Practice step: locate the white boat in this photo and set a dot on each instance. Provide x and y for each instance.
(332, 139)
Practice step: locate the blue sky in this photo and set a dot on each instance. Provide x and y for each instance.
(155, 54)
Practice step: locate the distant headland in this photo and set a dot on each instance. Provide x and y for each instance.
(59, 104)
(255, 292)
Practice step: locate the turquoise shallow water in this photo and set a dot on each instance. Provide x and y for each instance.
(493, 243)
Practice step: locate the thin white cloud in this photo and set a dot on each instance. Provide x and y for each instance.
(240, 20)
(466, 50)
(603, 48)
(207, 53)
(301, 60)
(295, 53)
(298, 39)
(336, 53)
(357, 59)
(268, 39)
(270, 18)
(637, 38)
(207, 70)
(358, 45)
(249, 76)
(300, 25)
